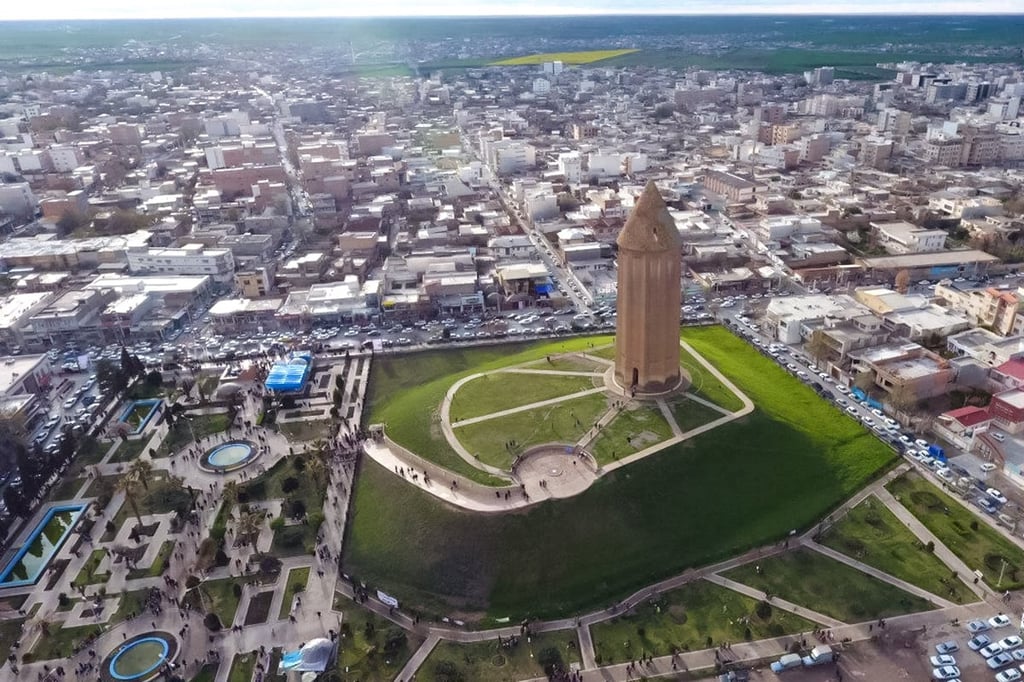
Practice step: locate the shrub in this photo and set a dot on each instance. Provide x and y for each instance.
(394, 640)
(446, 671)
(550, 659)
(315, 518)
(763, 610)
(221, 559)
(277, 524)
(236, 589)
(289, 484)
(212, 622)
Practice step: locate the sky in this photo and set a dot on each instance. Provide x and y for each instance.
(133, 9)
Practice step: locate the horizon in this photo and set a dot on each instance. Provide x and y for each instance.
(525, 9)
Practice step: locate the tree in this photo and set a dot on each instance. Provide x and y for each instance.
(550, 659)
(155, 379)
(110, 377)
(249, 524)
(69, 221)
(818, 347)
(126, 485)
(864, 380)
(140, 470)
(230, 494)
(902, 281)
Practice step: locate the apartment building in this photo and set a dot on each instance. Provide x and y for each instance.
(902, 237)
(191, 259)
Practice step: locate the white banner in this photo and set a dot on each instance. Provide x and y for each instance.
(387, 599)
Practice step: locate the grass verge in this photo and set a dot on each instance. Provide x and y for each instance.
(698, 615)
(976, 543)
(811, 579)
(871, 533)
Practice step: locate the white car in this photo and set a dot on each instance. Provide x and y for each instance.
(921, 443)
(990, 650)
(1008, 675)
(1010, 643)
(996, 495)
(941, 660)
(1000, 621)
(988, 466)
(842, 389)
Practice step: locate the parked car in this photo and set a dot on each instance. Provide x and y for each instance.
(948, 647)
(1000, 621)
(948, 672)
(996, 495)
(979, 641)
(976, 626)
(942, 660)
(1010, 675)
(999, 660)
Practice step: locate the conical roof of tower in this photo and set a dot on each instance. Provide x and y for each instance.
(650, 226)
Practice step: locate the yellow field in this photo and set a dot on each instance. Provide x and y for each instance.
(588, 57)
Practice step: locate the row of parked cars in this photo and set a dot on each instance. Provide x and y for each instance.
(1004, 655)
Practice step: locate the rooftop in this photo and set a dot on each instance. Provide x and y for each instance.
(13, 369)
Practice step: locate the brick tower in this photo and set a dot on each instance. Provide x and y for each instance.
(649, 298)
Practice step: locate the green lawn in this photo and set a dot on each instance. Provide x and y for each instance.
(242, 667)
(405, 393)
(698, 615)
(66, 489)
(607, 352)
(88, 575)
(637, 427)
(307, 491)
(871, 533)
(703, 383)
(564, 422)
(811, 579)
(365, 653)
(208, 673)
(159, 563)
(10, 632)
(690, 414)
(568, 363)
(505, 390)
(489, 661)
(294, 584)
(164, 495)
(131, 602)
(90, 451)
(59, 642)
(219, 597)
(787, 464)
(305, 430)
(977, 544)
(130, 449)
(180, 435)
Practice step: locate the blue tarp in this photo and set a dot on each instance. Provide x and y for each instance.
(290, 375)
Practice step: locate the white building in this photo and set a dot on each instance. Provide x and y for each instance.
(17, 199)
(541, 86)
(570, 165)
(191, 259)
(902, 237)
(65, 159)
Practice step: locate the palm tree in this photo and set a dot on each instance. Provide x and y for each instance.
(317, 468)
(126, 485)
(230, 493)
(249, 525)
(140, 470)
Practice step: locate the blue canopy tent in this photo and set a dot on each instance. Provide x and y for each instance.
(290, 375)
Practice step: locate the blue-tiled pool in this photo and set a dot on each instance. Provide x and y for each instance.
(138, 413)
(42, 543)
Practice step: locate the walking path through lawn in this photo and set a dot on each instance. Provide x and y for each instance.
(480, 498)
